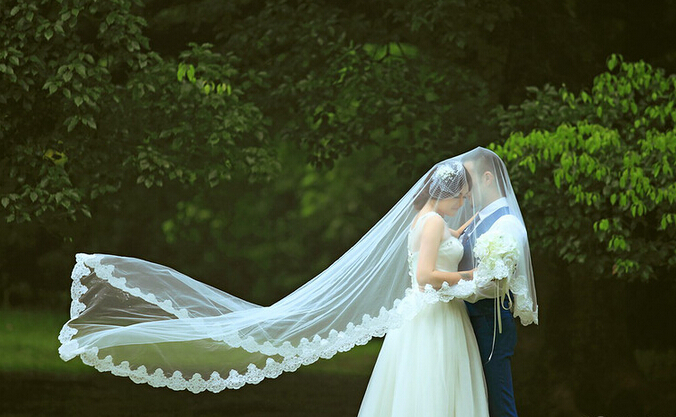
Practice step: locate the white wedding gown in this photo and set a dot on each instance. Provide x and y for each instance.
(431, 365)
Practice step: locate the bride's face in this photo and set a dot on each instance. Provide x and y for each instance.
(450, 206)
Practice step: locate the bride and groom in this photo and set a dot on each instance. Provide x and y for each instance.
(442, 274)
(432, 365)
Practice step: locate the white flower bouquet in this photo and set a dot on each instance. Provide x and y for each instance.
(497, 255)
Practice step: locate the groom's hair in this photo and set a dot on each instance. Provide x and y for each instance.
(488, 161)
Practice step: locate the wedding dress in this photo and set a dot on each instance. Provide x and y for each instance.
(430, 366)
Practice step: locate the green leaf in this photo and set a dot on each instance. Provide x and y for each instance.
(71, 122)
(182, 69)
(80, 69)
(191, 74)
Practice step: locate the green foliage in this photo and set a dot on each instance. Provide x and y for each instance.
(595, 170)
(275, 236)
(342, 81)
(57, 60)
(86, 107)
(200, 130)
(169, 146)
(402, 105)
(458, 29)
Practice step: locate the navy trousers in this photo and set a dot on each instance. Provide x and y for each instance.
(498, 371)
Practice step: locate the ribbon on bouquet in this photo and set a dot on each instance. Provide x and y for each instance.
(497, 315)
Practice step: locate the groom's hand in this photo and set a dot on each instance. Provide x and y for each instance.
(467, 275)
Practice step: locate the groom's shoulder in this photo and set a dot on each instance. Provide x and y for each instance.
(508, 218)
(509, 223)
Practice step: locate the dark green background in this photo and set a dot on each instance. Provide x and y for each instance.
(334, 109)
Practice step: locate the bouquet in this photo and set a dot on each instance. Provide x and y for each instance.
(497, 255)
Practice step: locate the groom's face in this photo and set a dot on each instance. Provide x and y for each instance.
(477, 191)
(469, 166)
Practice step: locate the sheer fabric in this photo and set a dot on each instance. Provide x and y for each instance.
(430, 366)
(155, 325)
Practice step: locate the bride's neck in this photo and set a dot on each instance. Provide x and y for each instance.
(429, 207)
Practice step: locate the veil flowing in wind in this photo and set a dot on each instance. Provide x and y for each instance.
(155, 325)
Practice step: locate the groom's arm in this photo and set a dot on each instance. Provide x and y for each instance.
(488, 290)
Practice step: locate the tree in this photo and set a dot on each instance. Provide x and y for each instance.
(610, 151)
(88, 107)
(595, 178)
(95, 121)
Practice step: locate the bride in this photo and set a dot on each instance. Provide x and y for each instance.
(431, 365)
(157, 326)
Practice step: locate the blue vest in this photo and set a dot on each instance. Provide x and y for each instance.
(468, 239)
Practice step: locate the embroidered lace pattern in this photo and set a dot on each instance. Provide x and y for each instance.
(523, 302)
(292, 357)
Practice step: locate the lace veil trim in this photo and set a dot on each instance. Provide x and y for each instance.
(305, 353)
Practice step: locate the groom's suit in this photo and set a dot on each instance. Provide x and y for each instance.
(497, 370)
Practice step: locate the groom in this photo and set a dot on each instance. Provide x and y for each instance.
(496, 347)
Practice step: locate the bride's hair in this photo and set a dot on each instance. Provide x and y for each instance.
(444, 181)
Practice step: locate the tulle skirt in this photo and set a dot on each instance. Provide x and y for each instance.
(429, 367)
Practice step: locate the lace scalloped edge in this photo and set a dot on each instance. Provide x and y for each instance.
(524, 307)
(307, 352)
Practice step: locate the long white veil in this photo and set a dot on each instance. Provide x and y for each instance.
(155, 325)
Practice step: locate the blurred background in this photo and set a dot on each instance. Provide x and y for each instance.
(249, 143)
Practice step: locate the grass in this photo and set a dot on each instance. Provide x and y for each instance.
(29, 343)
(34, 381)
